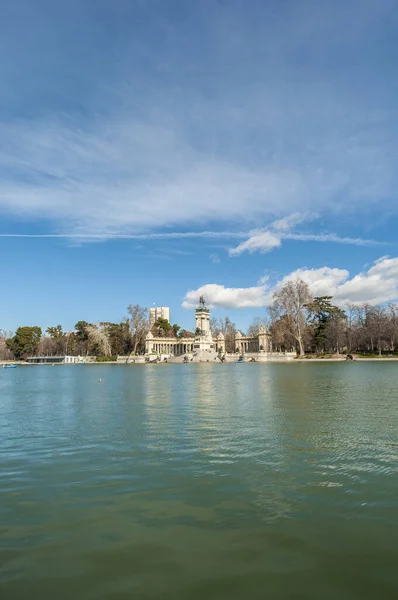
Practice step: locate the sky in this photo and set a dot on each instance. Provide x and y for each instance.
(152, 151)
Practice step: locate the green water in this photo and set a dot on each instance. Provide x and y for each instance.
(204, 481)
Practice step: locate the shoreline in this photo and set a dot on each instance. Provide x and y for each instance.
(280, 361)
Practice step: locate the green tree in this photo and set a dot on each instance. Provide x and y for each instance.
(25, 341)
(79, 339)
(327, 321)
(81, 331)
(55, 332)
(59, 339)
(183, 333)
(162, 328)
(176, 328)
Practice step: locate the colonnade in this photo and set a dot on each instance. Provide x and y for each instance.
(248, 346)
(169, 348)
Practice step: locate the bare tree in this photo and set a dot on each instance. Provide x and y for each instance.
(291, 301)
(139, 326)
(392, 325)
(46, 346)
(351, 327)
(228, 329)
(377, 325)
(215, 327)
(336, 329)
(279, 329)
(254, 327)
(98, 338)
(5, 352)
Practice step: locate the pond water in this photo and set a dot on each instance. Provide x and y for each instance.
(199, 481)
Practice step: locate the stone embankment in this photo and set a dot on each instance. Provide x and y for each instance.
(210, 356)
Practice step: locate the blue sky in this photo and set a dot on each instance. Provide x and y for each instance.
(154, 150)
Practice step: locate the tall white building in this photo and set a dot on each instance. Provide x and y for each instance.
(158, 312)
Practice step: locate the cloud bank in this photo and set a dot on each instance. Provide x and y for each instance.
(376, 285)
(213, 117)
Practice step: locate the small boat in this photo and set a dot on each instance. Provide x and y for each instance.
(9, 366)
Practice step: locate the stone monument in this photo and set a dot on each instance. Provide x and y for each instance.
(203, 338)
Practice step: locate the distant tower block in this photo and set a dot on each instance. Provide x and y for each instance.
(158, 312)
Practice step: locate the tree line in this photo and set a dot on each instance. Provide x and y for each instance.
(296, 320)
(306, 324)
(104, 339)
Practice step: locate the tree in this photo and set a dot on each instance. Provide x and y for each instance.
(377, 325)
(59, 340)
(254, 327)
(351, 327)
(81, 330)
(162, 328)
(280, 332)
(138, 323)
(80, 338)
(214, 326)
(176, 328)
(319, 312)
(292, 300)
(183, 333)
(328, 322)
(99, 340)
(46, 347)
(5, 352)
(228, 329)
(336, 326)
(119, 337)
(392, 325)
(25, 341)
(55, 332)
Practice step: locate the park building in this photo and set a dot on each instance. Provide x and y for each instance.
(201, 342)
(53, 360)
(203, 345)
(262, 342)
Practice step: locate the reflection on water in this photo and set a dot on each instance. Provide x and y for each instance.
(192, 481)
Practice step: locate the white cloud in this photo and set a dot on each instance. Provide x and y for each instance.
(218, 296)
(263, 280)
(291, 221)
(322, 282)
(259, 241)
(376, 285)
(265, 240)
(332, 238)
